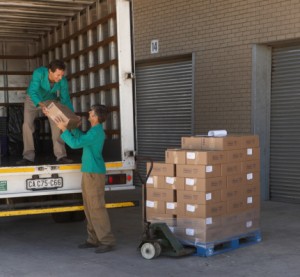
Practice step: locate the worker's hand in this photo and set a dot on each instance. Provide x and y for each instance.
(79, 123)
(60, 123)
(42, 105)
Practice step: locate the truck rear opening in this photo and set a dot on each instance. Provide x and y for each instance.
(93, 38)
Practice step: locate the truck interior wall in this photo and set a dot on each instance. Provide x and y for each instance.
(88, 45)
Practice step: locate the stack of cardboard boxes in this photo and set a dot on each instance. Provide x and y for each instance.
(209, 190)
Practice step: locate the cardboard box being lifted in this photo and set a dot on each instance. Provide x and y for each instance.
(58, 110)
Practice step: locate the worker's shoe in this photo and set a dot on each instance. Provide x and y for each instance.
(64, 160)
(87, 245)
(24, 162)
(102, 248)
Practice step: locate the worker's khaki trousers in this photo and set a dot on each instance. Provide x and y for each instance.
(31, 112)
(98, 223)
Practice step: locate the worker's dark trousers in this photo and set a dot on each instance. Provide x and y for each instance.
(98, 223)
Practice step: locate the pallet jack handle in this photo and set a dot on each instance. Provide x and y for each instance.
(144, 182)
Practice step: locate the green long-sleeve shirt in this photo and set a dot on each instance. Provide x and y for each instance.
(39, 88)
(92, 143)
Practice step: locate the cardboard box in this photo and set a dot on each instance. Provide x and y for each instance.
(58, 110)
(200, 223)
(252, 154)
(162, 169)
(252, 190)
(155, 182)
(236, 181)
(205, 157)
(160, 194)
(198, 197)
(198, 171)
(252, 178)
(249, 141)
(252, 202)
(174, 183)
(171, 208)
(235, 206)
(165, 182)
(250, 166)
(198, 235)
(166, 218)
(228, 169)
(205, 184)
(155, 207)
(232, 194)
(201, 211)
(221, 143)
(175, 156)
(234, 156)
(194, 143)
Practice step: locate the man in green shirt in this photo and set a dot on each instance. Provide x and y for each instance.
(47, 83)
(93, 178)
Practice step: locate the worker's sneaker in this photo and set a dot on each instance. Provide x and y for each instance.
(64, 160)
(24, 162)
(102, 248)
(87, 245)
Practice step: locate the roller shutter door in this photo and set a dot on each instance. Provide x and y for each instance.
(285, 125)
(164, 106)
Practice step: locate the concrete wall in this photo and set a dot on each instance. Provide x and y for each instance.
(221, 34)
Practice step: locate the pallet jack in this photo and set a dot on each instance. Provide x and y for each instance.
(157, 238)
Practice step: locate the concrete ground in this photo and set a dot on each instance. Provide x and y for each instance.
(36, 246)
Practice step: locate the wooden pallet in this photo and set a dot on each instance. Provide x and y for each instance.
(218, 247)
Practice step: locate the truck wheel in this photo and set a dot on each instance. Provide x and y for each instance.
(150, 250)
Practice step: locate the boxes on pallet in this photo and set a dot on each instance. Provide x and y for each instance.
(237, 155)
(205, 157)
(155, 207)
(162, 169)
(205, 184)
(200, 211)
(198, 171)
(165, 182)
(250, 166)
(236, 181)
(194, 142)
(232, 194)
(249, 141)
(252, 190)
(166, 218)
(235, 206)
(252, 153)
(252, 202)
(230, 169)
(160, 194)
(252, 178)
(155, 182)
(198, 197)
(171, 208)
(175, 156)
(196, 235)
(214, 188)
(229, 142)
(200, 223)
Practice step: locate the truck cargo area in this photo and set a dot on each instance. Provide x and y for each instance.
(93, 38)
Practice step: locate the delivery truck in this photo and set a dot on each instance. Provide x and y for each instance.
(94, 40)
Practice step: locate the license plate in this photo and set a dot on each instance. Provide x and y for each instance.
(44, 183)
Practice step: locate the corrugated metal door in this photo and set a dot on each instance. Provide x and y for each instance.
(164, 106)
(285, 125)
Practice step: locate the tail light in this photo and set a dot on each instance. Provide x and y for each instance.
(116, 179)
